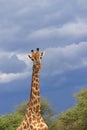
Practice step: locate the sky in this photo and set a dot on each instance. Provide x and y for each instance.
(57, 27)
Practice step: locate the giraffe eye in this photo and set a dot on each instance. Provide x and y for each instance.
(32, 59)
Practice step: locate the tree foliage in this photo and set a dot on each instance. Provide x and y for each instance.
(10, 122)
(75, 118)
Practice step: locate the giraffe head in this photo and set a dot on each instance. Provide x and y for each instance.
(36, 57)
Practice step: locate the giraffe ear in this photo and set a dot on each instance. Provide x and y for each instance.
(31, 57)
(42, 54)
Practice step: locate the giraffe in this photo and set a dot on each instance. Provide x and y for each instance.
(33, 119)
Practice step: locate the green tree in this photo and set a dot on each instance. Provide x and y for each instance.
(20, 109)
(75, 118)
(10, 122)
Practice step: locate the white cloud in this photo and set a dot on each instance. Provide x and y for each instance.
(8, 77)
(74, 29)
(61, 59)
(77, 29)
(24, 57)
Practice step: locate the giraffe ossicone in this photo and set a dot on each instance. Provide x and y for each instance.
(33, 119)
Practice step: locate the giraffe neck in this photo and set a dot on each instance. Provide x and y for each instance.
(33, 119)
(35, 92)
